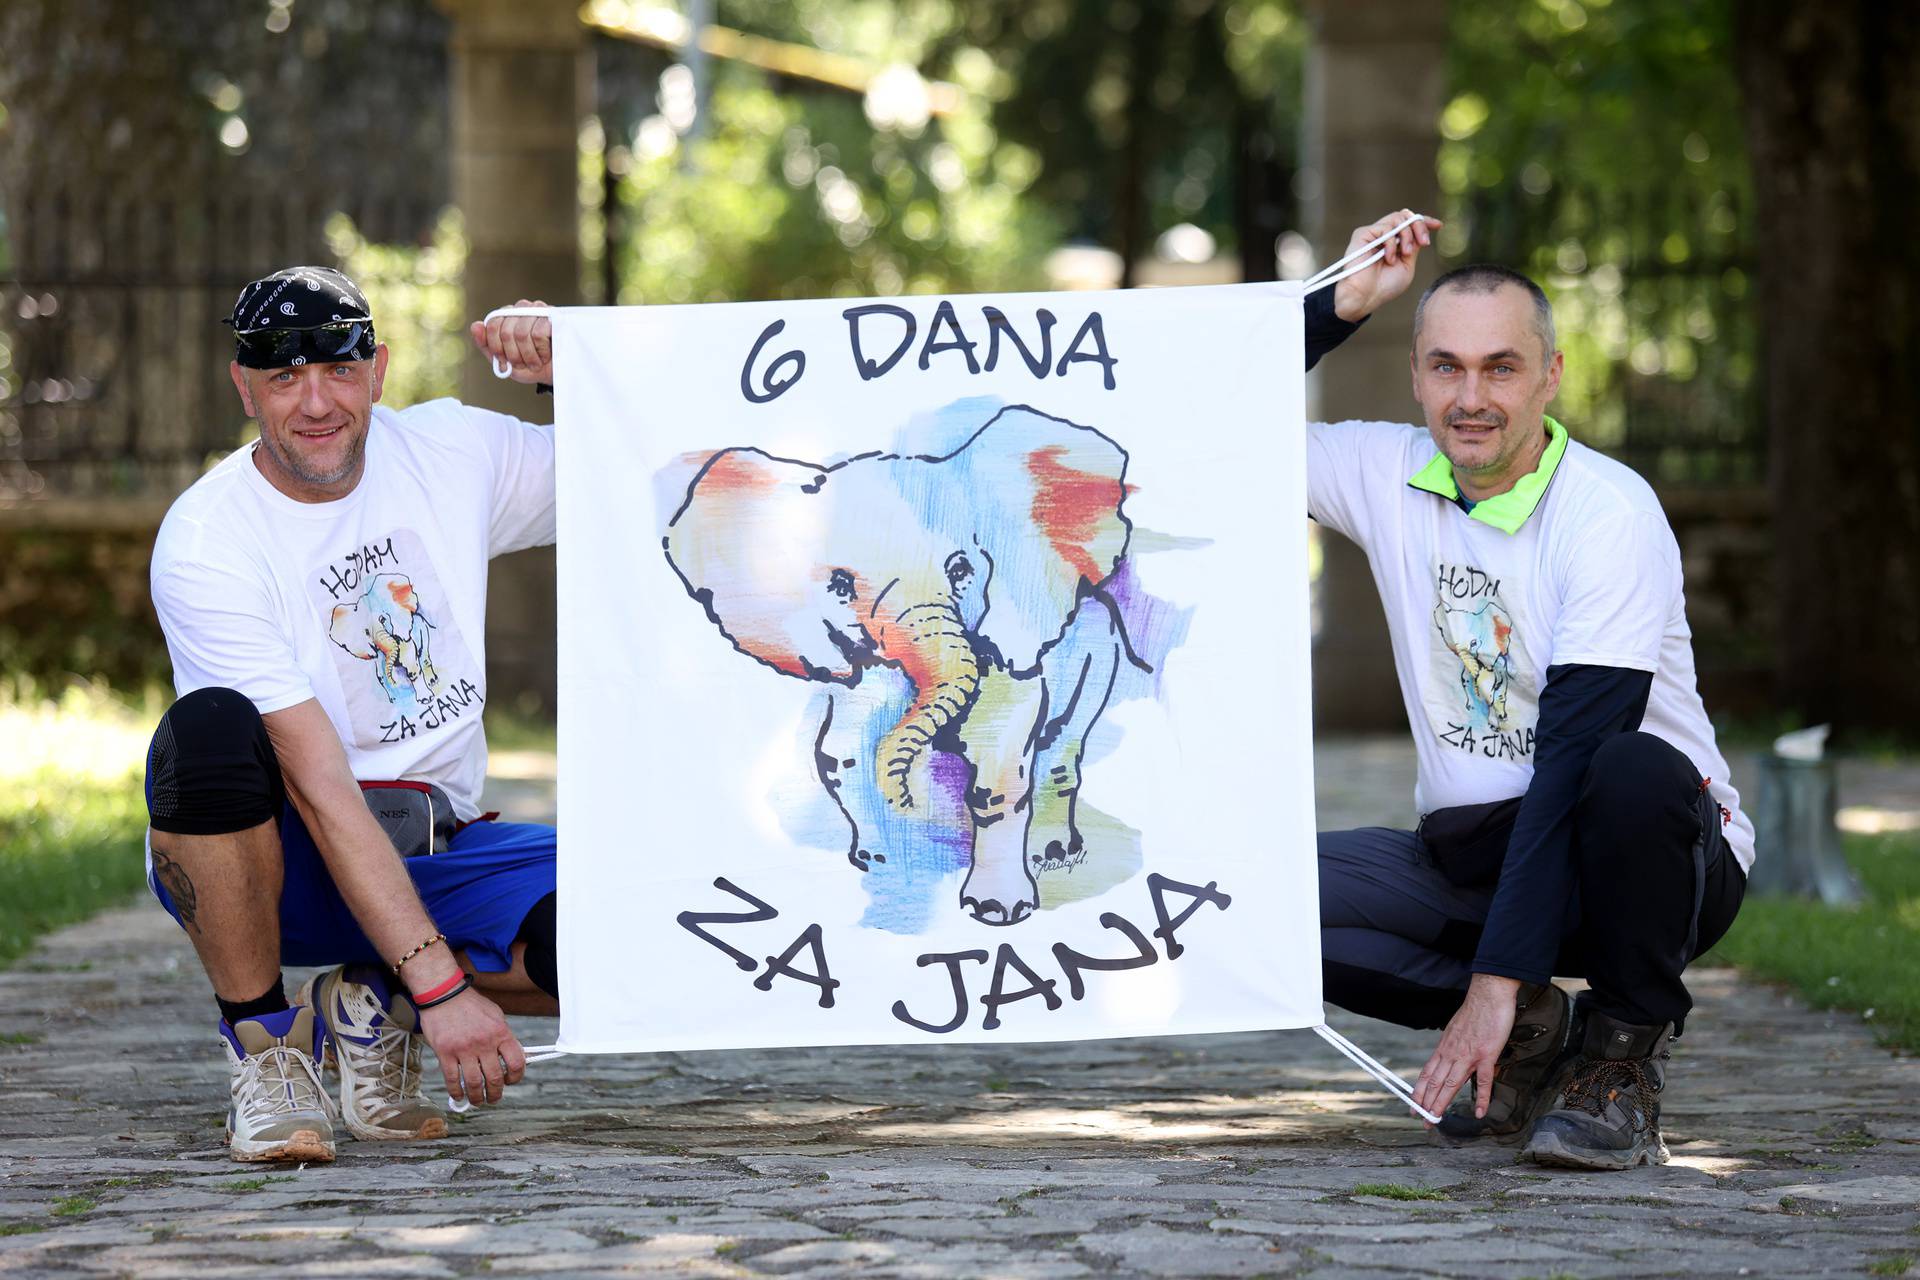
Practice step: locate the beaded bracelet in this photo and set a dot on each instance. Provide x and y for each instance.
(464, 983)
(438, 937)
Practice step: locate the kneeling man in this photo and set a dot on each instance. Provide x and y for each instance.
(1576, 814)
(323, 591)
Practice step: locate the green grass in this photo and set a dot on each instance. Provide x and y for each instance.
(1864, 958)
(68, 847)
(1398, 1191)
(509, 730)
(251, 1184)
(73, 1206)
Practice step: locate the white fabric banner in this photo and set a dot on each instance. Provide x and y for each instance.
(934, 669)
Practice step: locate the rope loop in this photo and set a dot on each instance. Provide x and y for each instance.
(1356, 262)
(503, 368)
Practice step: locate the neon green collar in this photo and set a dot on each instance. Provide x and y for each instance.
(1504, 511)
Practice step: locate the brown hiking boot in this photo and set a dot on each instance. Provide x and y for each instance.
(1526, 1077)
(1608, 1116)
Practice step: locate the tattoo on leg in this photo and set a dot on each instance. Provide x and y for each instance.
(179, 886)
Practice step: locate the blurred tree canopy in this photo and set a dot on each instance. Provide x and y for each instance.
(1150, 113)
(793, 194)
(121, 95)
(168, 152)
(1598, 145)
(785, 198)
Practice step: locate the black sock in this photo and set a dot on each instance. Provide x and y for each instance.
(538, 931)
(273, 1000)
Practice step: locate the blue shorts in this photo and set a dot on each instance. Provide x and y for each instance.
(478, 893)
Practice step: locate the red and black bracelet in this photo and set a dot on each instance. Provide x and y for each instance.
(444, 992)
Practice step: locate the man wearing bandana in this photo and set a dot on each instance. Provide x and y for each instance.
(314, 793)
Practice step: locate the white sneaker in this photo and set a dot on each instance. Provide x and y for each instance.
(374, 1042)
(279, 1108)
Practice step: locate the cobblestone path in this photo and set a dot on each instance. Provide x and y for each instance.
(1796, 1149)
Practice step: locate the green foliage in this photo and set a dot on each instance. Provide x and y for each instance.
(419, 310)
(508, 730)
(73, 1206)
(1160, 95)
(783, 197)
(1597, 144)
(251, 1184)
(75, 601)
(1865, 958)
(68, 847)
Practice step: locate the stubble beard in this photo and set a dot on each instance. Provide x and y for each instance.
(1502, 453)
(300, 471)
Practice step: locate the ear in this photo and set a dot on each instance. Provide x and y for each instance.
(239, 376)
(1556, 365)
(746, 542)
(1049, 519)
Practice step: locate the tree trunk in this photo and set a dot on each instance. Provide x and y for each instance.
(1260, 197)
(1832, 97)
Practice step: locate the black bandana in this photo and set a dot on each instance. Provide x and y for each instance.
(298, 316)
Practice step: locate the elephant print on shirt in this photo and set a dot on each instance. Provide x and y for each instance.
(957, 610)
(384, 625)
(1482, 639)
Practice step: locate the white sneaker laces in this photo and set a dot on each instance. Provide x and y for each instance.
(279, 1081)
(392, 1060)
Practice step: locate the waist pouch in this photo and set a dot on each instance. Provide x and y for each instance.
(1468, 843)
(417, 816)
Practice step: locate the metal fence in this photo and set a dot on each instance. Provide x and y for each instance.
(113, 361)
(1654, 299)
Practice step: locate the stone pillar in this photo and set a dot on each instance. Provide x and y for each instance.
(1376, 82)
(522, 78)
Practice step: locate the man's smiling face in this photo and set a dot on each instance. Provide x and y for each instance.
(1484, 375)
(313, 422)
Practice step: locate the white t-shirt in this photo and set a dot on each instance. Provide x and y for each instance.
(374, 603)
(1478, 614)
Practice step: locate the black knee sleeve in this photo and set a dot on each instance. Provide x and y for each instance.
(211, 769)
(538, 931)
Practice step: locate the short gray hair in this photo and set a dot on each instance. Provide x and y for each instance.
(1486, 277)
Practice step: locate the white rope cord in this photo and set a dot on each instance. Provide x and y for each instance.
(535, 1053)
(1359, 1057)
(1354, 1053)
(1333, 273)
(503, 368)
(1357, 261)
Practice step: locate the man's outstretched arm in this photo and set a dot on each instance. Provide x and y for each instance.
(477, 1052)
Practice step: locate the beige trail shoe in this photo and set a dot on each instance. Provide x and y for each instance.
(374, 1041)
(279, 1109)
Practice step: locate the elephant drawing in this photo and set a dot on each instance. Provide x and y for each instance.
(1482, 639)
(384, 626)
(954, 607)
